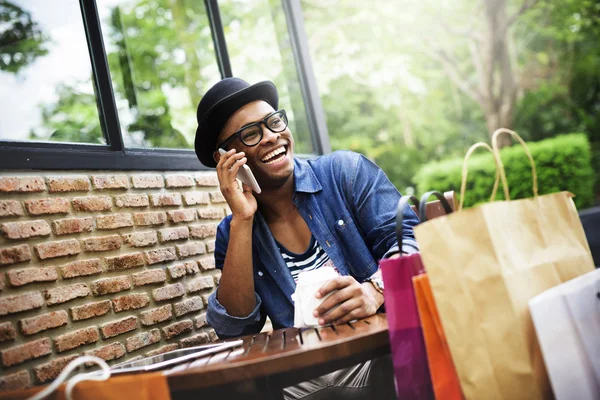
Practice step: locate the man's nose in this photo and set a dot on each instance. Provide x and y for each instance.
(268, 135)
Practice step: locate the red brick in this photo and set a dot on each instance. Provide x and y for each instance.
(52, 369)
(192, 198)
(207, 179)
(165, 199)
(167, 235)
(77, 338)
(149, 277)
(81, 268)
(25, 276)
(11, 208)
(90, 310)
(163, 349)
(211, 213)
(187, 215)
(212, 335)
(156, 315)
(26, 229)
(2, 283)
(92, 203)
(210, 246)
(119, 327)
(200, 321)
(16, 381)
(103, 182)
(111, 285)
(130, 302)
(168, 292)
(57, 249)
(205, 299)
(217, 278)
(109, 352)
(68, 184)
(72, 225)
(148, 181)
(142, 340)
(150, 218)
(217, 197)
(126, 261)
(140, 239)
(47, 206)
(30, 326)
(20, 302)
(203, 231)
(187, 306)
(177, 328)
(15, 254)
(196, 340)
(114, 221)
(62, 294)
(7, 331)
(207, 264)
(22, 184)
(28, 351)
(201, 283)
(132, 200)
(102, 243)
(179, 270)
(179, 181)
(160, 255)
(190, 249)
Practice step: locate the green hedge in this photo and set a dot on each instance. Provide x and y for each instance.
(563, 163)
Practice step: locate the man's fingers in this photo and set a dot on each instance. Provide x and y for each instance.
(334, 284)
(347, 308)
(337, 298)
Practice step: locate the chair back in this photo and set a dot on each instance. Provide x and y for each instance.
(435, 209)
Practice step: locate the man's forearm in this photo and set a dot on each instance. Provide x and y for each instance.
(236, 286)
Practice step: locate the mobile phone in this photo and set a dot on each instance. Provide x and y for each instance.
(246, 176)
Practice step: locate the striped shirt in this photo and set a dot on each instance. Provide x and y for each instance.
(313, 258)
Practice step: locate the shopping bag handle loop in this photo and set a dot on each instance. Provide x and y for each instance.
(400, 216)
(423, 204)
(465, 172)
(497, 133)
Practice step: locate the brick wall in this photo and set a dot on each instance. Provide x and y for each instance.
(115, 265)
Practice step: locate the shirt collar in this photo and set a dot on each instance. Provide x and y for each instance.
(305, 179)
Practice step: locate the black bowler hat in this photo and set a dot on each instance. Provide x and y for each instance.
(219, 103)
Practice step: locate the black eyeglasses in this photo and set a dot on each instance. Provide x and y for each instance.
(252, 134)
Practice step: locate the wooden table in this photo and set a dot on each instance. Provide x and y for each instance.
(268, 362)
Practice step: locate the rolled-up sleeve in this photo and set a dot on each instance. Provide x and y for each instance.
(228, 326)
(225, 325)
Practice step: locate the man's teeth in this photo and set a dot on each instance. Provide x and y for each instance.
(272, 154)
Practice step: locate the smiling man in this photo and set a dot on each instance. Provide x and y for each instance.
(337, 210)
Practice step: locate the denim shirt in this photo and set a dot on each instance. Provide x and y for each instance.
(350, 207)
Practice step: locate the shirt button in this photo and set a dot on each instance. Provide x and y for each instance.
(341, 222)
(260, 273)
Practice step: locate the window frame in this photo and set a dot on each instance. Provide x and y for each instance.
(28, 155)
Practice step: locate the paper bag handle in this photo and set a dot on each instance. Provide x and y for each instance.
(423, 204)
(465, 171)
(400, 216)
(497, 133)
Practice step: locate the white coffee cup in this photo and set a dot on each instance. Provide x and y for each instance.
(305, 301)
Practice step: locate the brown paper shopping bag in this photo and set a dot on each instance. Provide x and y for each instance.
(503, 253)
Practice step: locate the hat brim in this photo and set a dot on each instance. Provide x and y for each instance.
(218, 115)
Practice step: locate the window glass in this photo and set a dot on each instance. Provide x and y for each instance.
(45, 74)
(161, 59)
(260, 49)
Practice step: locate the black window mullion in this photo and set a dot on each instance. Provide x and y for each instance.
(308, 83)
(218, 35)
(107, 107)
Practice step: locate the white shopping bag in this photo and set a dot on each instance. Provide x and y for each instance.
(567, 324)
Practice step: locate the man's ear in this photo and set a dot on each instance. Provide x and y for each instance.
(216, 156)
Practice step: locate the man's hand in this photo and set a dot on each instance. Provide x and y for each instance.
(354, 301)
(242, 202)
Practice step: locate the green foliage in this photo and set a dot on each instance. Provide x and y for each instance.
(21, 39)
(562, 163)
